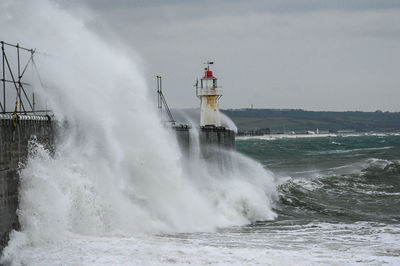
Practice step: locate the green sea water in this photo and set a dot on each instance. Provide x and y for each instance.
(333, 179)
(339, 199)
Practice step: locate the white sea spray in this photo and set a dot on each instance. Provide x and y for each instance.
(116, 170)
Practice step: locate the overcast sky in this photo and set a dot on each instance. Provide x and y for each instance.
(309, 54)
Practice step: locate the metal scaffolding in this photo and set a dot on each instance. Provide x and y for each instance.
(161, 101)
(13, 82)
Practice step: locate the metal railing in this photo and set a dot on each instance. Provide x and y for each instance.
(208, 92)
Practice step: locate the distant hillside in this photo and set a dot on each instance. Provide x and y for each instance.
(280, 120)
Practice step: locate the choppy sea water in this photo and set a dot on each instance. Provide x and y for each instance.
(338, 198)
(338, 204)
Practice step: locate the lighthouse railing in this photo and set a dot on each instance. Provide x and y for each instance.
(208, 92)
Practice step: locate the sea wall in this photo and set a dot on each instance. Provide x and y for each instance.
(217, 137)
(14, 139)
(209, 139)
(182, 133)
(214, 141)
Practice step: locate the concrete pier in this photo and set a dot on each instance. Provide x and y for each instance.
(14, 138)
(182, 133)
(210, 138)
(217, 137)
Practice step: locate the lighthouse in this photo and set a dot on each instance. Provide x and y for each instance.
(209, 94)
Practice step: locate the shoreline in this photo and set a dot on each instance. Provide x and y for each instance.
(303, 136)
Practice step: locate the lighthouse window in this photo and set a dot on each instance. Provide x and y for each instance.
(214, 82)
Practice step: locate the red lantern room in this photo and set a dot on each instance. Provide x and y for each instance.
(208, 81)
(208, 74)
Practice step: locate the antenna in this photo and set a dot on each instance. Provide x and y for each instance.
(208, 63)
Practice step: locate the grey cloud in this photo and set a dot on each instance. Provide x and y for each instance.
(318, 55)
(272, 6)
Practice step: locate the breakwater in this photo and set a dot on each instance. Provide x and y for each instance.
(217, 136)
(15, 135)
(209, 138)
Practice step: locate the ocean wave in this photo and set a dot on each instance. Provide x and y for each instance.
(368, 193)
(348, 151)
(117, 170)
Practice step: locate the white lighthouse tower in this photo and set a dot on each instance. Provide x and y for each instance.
(209, 95)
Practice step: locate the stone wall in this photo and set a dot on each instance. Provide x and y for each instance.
(217, 136)
(214, 141)
(14, 140)
(183, 136)
(210, 138)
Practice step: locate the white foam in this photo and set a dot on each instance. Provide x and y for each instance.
(116, 172)
(280, 244)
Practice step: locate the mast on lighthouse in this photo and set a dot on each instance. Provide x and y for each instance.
(209, 95)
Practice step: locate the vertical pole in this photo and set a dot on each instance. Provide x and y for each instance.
(4, 79)
(33, 91)
(159, 106)
(19, 77)
(160, 95)
(33, 102)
